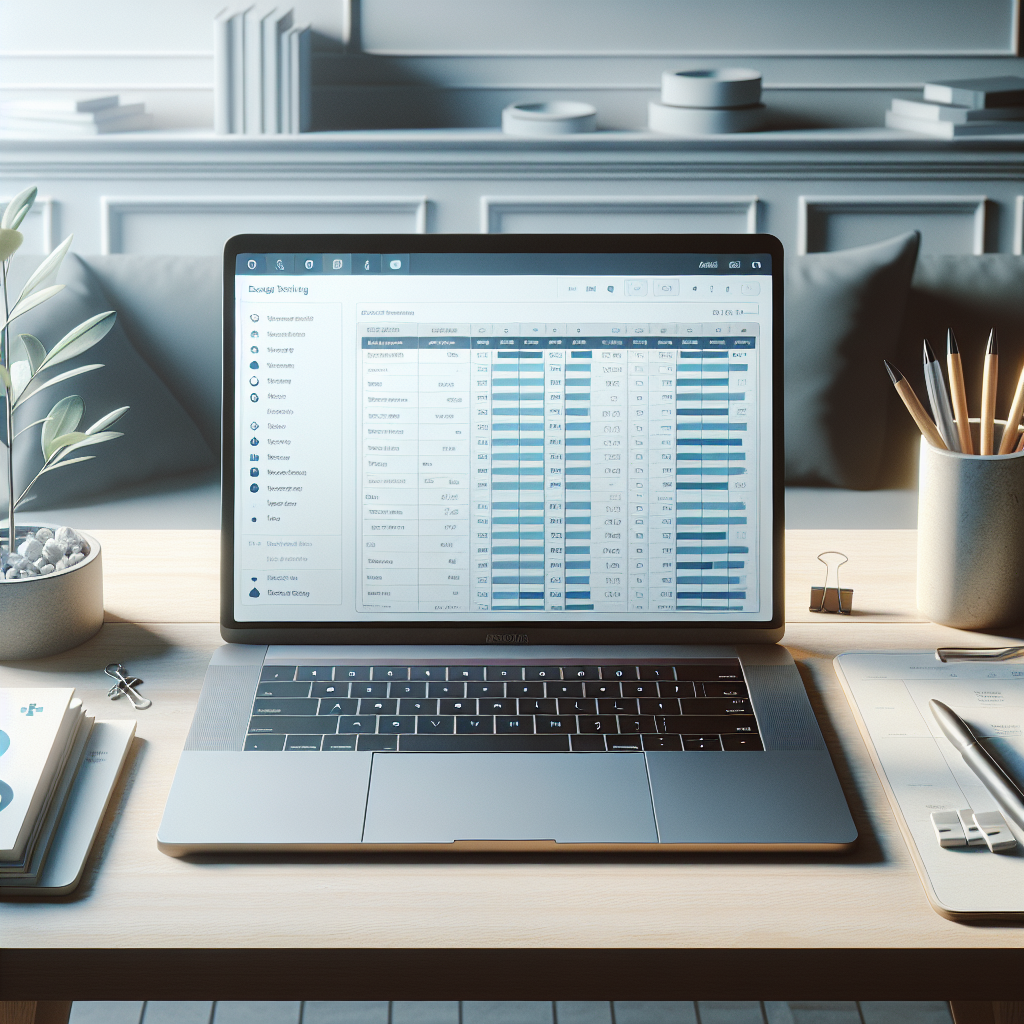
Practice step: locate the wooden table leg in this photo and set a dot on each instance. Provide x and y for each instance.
(42, 1012)
(987, 1013)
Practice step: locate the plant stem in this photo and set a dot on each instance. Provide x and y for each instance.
(5, 343)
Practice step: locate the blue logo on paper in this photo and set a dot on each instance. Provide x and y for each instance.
(5, 742)
(32, 710)
(6, 794)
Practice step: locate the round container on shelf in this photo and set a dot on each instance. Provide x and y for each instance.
(970, 538)
(703, 121)
(48, 614)
(711, 87)
(557, 117)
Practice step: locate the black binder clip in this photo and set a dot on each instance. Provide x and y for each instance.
(831, 597)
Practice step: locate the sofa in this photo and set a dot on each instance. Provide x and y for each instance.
(851, 447)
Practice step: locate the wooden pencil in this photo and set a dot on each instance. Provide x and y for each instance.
(990, 380)
(914, 407)
(955, 369)
(1010, 437)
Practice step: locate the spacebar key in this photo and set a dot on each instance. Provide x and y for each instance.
(496, 744)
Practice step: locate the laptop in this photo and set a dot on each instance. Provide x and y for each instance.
(502, 553)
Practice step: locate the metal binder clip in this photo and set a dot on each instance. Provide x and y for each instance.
(831, 597)
(126, 684)
(949, 654)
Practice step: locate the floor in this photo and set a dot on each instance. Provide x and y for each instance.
(511, 1013)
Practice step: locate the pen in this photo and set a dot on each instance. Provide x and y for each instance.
(988, 393)
(914, 407)
(939, 400)
(1010, 434)
(955, 368)
(978, 759)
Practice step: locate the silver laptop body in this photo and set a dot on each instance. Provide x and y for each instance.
(502, 554)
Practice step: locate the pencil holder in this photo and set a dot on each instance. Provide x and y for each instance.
(970, 537)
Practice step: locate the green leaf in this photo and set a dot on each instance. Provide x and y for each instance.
(63, 441)
(64, 417)
(10, 242)
(69, 462)
(56, 380)
(89, 439)
(47, 268)
(21, 376)
(108, 420)
(31, 301)
(82, 338)
(28, 426)
(18, 207)
(29, 348)
(5, 378)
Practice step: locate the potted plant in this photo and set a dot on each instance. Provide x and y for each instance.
(51, 577)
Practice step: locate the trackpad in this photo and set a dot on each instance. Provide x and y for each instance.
(570, 798)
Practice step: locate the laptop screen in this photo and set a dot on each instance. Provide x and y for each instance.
(481, 436)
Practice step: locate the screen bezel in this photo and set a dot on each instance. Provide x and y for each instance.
(514, 632)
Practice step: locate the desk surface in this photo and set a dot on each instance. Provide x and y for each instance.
(528, 926)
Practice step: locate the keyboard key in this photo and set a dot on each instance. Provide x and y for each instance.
(485, 744)
(276, 673)
(502, 673)
(498, 706)
(624, 743)
(472, 725)
(588, 743)
(485, 689)
(351, 672)
(315, 673)
(702, 743)
(602, 689)
(390, 672)
(417, 707)
(667, 689)
(532, 672)
(303, 743)
(618, 672)
(407, 689)
(725, 690)
(396, 723)
(377, 743)
(577, 706)
(519, 725)
(458, 707)
(636, 723)
(357, 723)
(659, 706)
(524, 689)
(555, 723)
(701, 725)
(656, 672)
(581, 672)
(272, 706)
(339, 706)
(267, 724)
(382, 706)
(428, 673)
(329, 690)
(655, 741)
(431, 725)
(339, 743)
(618, 706)
(565, 689)
(639, 689)
(285, 689)
(275, 742)
(700, 671)
(597, 723)
(368, 690)
(738, 742)
(466, 672)
(716, 706)
(533, 706)
(446, 689)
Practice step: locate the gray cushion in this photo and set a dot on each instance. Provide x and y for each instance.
(161, 440)
(843, 316)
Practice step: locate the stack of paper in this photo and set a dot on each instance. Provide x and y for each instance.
(972, 106)
(262, 72)
(98, 116)
(57, 769)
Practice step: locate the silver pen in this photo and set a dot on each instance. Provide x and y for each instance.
(978, 759)
(939, 400)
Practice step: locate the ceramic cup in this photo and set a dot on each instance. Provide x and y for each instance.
(711, 87)
(557, 117)
(970, 537)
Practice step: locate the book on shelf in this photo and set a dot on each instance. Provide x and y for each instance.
(275, 24)
(950, 130)
(979, 93)
(73, 117)
(955, 115)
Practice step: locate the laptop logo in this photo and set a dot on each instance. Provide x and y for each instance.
(508, 638)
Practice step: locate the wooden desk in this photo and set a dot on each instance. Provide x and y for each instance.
(495, 927)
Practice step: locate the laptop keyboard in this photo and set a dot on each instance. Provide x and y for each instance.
(531, 708)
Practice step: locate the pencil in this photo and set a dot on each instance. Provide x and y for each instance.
(956, 387)
(1010, 434)
(939, 400)
(988, 393)
(914, 407)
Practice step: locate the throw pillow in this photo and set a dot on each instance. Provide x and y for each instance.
(843, 315)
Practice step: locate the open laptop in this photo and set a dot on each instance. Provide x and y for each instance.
(502, 561)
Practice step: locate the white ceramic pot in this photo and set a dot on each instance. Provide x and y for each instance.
(48, 614)
(711, 87)
(559, 117)
(703, 121)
